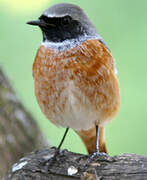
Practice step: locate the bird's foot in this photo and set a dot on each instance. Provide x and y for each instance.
(96, 154)
(56, 158)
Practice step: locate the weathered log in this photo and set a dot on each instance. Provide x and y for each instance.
(19, 133)
(74, 166)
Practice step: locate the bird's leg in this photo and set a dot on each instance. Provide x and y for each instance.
(62, 140)
(57, 150)
(96, 152)
(97, 139)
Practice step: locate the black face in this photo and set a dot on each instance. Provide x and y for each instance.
(58, 29)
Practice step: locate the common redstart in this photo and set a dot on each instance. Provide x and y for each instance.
(75, 76)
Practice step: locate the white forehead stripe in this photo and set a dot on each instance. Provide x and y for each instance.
(54, 15)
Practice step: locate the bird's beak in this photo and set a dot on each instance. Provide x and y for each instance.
(36, 23)
(40, 23)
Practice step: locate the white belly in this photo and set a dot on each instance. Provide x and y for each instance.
(78, 113)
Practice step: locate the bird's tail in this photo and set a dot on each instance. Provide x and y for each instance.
(89, 139)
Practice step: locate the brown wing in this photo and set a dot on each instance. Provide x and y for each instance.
(93, 73)
(98, 81)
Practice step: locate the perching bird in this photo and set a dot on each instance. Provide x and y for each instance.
(74, 75)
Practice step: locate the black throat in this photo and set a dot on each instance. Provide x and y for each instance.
(59, 29)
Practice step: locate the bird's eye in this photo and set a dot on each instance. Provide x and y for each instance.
(44, 18)
(66, 20)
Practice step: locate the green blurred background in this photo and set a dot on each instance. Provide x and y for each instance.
(123, 25)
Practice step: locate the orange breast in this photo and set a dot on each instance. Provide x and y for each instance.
(77, 87)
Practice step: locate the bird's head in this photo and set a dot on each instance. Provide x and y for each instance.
(64, 22)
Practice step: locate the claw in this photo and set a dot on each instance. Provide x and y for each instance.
(55, 159)
(52, 160)
(95, 155)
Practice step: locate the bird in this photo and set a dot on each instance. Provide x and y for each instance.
(74, 73)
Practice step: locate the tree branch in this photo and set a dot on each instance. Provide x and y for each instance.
(19, 133)
(73, 166)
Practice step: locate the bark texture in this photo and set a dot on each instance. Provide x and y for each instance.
(71, 166)
(19, 133)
